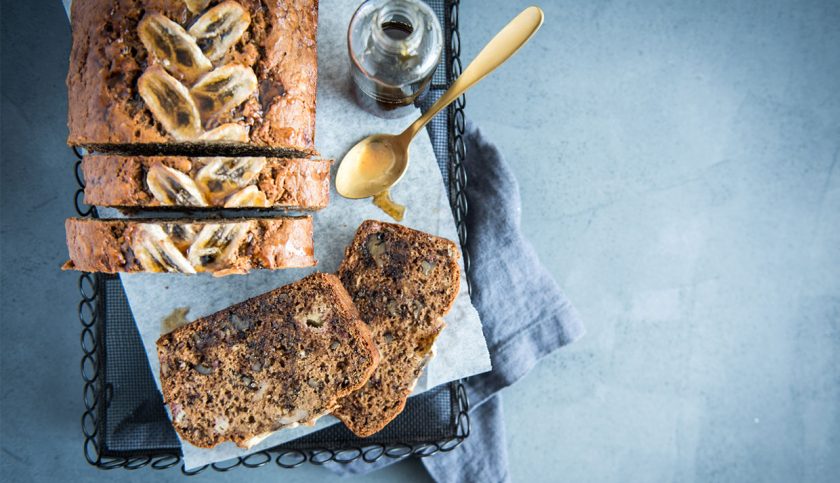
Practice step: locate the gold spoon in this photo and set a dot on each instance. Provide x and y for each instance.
(377, 162)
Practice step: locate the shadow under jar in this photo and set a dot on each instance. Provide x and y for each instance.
(394, 47)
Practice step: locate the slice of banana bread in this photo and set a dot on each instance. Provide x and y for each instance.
(220, 247)
(402, 281)
(201, 182)
(277, 360)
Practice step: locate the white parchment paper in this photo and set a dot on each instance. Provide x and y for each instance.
(460, 349)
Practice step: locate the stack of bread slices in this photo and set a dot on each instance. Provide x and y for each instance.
(352, 344)
(208, 107)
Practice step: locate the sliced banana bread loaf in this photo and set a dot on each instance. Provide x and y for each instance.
(200, 182)
(277, 360)
(221, 247)
(403, 281)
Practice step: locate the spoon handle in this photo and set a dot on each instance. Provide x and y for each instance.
(513, 36)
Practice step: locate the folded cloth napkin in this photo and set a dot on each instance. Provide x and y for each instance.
(524, 313)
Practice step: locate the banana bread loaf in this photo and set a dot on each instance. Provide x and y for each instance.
(277, 360)
(199, 77)
(402, 281)
(220, 247)
(178, 181)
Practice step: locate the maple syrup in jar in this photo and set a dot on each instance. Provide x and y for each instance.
(394, 46)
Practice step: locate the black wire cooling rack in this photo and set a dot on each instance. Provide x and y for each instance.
(124, 422)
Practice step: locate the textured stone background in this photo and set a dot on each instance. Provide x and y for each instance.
(678, 167)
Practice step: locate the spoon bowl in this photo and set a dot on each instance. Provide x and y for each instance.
(372, 166)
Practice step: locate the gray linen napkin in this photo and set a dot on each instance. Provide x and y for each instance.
(524, 313)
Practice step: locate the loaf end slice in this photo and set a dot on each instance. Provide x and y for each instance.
(275, 361)
(221, 247)
(402, 281)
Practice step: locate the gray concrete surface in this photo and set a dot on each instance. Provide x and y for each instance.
(678, 166)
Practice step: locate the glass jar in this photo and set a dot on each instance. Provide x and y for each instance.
(395, 46)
